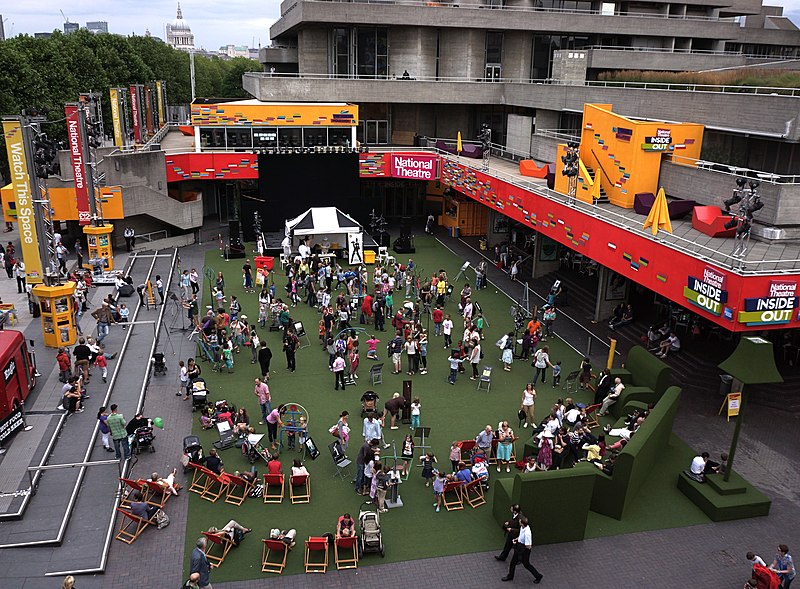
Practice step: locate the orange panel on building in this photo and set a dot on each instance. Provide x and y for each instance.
(64, 203)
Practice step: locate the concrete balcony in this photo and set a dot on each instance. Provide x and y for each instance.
(471, 15)
(654, 60)
(278, 55)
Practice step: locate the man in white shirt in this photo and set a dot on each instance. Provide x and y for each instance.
(699, 464)
(612, 397)
(522, 553)
(304, 250)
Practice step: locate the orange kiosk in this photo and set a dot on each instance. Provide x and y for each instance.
(98, 240)
(58, 321)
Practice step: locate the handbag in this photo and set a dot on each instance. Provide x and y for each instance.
(162, 519)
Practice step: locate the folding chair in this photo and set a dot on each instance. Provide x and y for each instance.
(219, 544)
(272, 481)
(131, 526)
(278, 550)
(131, 486)
(300, 489)
(571, 382)
(467, 446)
(383, 255)
(340, 459)
(349, 556)
(473, 493)
(376, 373)
(199, 478)
(457, 502)
(316, 544)
(485, 378)
(493, 452)
(238, 489)
(157, 495)
(591, 416)
(217, 484)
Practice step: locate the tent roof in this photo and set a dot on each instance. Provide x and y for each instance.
(322, 220)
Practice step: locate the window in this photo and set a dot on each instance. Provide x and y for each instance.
(341, 136)
(372, 52)
(212, 137)
(608, 8)
(373, 132)
(290, 137)
(494, 47)
(341, 51)
(315, 136)
(265, 138)
(239, 138)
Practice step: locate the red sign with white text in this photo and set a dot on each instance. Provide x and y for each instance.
(414, 167)
(77, 159)
(137, 129)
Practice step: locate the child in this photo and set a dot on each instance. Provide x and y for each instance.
(455, 362)
(235, 308)
(427, 460)
(407, 452)
(438, 489)
(219, 296)
(480, 322)
(556, 374)
(206, 422)
(455, 454)
(102, 363)
(460, 346)
(227, 356)
(372, 348)
(262, 315)
(63, 365)
(124, 313)
(303, 433)
(184, 375)
(447, 329)
(291, 434)
(415, 413)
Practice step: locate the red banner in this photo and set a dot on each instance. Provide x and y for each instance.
(415, 167)
(77, 158)
(137, 129)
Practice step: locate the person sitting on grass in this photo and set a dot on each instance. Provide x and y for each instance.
(345, 527)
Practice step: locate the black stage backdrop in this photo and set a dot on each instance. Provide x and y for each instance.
(290, 184)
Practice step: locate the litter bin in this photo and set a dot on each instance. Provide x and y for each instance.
(726, 384)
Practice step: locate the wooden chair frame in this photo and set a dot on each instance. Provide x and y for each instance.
(233, 494)
(217, 485)
(276, 547)
(274, 480)
(199, 478)
(349, 547)
(316, 544)
(591, 416)
(302, 480)
(132, 485)
(474, 494)
(457, 488)
(157, 496)
(132, 526)
(221, 540)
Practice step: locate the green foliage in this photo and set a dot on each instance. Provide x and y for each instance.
(762, 78)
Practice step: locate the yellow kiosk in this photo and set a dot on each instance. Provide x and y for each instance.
(58, 323)
(98, 240)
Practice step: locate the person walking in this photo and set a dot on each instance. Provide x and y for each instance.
(541, 360)
(116, 424)
(102, 417)
(199, 563)
(522, 553)
(338, 371)
(264, 359)
(78, 249)
(264, 400)
(130, 238)
(511, 528)
(104, 318)
(19, 274)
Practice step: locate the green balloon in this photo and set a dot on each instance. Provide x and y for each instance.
(158, 422)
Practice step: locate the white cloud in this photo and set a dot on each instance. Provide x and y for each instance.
(213, 22)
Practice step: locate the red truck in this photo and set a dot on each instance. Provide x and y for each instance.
(18, 380)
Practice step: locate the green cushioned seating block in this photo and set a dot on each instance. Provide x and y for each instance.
(644, 369)
(632, 393)
(751, 503)
(502, 500)
(734, 486)
(531, 447)
(630, 406)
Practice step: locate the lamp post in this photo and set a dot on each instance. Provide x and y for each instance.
(570, 160)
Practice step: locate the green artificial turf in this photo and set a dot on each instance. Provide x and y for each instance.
(452, 412)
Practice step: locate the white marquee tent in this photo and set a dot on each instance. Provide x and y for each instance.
(326, 225)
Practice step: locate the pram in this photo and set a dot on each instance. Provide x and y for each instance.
(369, 403)
(143, 438)
(253, 450)
(192, 452)
(371, 539)
(159, 366)
(199, 394)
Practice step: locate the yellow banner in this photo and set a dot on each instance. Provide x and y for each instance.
(20, 181)
(115, 118)
(160, 98)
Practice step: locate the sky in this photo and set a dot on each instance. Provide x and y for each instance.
(214, 22)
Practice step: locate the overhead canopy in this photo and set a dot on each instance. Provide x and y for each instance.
(322, 222)
(753, 362)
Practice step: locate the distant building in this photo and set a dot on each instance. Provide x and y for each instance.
(234, 51)
(179, 34)
(97, 26)
(71, 27)
(2, 29)
(42, 35)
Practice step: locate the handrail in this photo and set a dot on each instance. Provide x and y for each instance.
(559, 134)
(149, 236)
(735, 171)
(668, 86)
(532, 9)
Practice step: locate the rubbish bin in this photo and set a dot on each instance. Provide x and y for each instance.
(726, 384)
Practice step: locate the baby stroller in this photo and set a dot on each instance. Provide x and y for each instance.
(192, 452)
(252, 449)
(199, 394)
(143, 438)
(159, 366)
(370, 539)
(369, 403)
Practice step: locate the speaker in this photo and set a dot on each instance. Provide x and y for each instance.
(405, 227)
(406, 415)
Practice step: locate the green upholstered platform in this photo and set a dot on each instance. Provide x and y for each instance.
(724, 507)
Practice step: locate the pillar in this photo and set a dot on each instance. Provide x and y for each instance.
(602, 307)
(545, 256)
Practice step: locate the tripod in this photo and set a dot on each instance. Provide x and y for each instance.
(178, 307)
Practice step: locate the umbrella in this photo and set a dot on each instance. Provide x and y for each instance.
(659, 214)
(459, 146)
(596, 188)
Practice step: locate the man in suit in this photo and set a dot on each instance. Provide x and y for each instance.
(603, 386)
(511, 528)
(522, 553)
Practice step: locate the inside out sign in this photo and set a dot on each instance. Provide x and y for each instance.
(777, 308)
(707, 292)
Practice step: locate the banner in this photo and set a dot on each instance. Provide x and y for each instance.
(20, 180)
(75, 142)
(148, 110)
(137, 129)
(115, 117)
(160, 98)
(415, 167)
(11, 424)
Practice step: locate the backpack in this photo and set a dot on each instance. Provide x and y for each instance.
(162, 519)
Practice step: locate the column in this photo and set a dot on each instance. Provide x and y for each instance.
(604, 308)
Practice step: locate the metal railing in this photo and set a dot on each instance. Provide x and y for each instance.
(640, 85)
(153, 235)
(158, 136)
(531, 9)
(566, 135)
(735, 171)
(688, 51)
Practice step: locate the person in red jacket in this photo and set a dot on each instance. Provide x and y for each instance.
(366, 309)
(438, 318)
(64, 364)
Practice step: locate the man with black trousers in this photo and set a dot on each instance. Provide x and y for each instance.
(511, 528)
(522, 553)
(290, 345)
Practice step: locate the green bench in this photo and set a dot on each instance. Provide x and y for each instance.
(645, 378)
(725, 501)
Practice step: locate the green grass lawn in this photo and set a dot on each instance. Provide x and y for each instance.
(452, 412)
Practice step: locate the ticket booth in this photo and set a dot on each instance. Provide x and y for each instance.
(58, 323)
(99, 248)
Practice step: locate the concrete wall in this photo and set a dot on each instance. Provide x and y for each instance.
(517, 55)
(614, 59)
(312, 51)
(519, 131)
(412, 49)
(544, 149)
(268, 55)
(462, 54)
(569, 66)
(547, 119)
